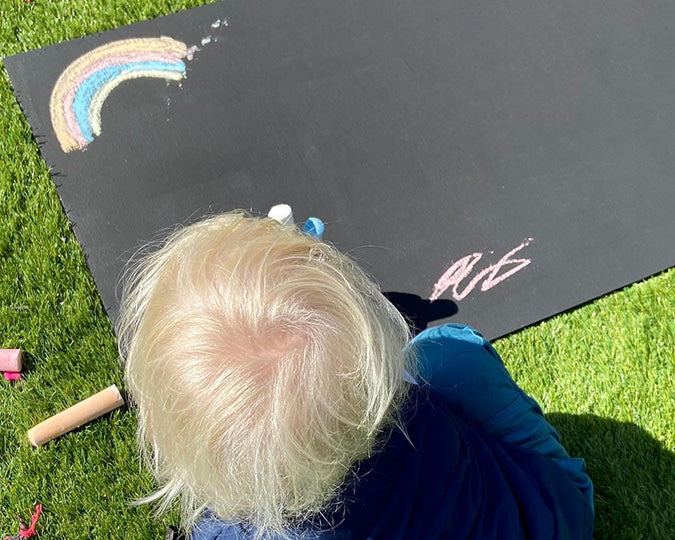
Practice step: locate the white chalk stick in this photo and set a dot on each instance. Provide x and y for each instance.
(10, 360)
(75, 416)
(283, 213)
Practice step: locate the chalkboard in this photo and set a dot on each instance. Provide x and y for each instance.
(488, 163)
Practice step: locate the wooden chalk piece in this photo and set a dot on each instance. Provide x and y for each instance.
(75, 416)
(10, 360)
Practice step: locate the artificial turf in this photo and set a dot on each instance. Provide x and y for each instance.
(603, 372)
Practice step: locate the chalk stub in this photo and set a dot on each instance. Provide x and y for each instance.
(79, 414)
(314, 227)
(283, 213)
(10, 360)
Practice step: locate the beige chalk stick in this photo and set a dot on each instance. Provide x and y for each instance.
(75, 416)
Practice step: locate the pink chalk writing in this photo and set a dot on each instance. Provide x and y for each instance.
(461, 269)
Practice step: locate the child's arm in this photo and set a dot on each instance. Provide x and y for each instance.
(462, 366)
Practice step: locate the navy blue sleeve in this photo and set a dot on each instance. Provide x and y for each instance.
(462, 367)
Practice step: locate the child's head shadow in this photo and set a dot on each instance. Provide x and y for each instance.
(633, 474)
(420, 311)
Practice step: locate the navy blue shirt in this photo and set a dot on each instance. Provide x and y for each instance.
(451, 478)
(451, 483)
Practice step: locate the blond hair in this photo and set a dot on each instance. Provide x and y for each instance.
(264, 364)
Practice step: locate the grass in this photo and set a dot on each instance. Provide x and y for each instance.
(604, 372)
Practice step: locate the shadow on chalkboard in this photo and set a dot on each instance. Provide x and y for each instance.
(633, 475)
(420, 311)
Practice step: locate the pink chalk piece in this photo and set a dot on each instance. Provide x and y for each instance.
(11, 375)
(10, 360)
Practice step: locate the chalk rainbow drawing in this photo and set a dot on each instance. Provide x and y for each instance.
(79, 93)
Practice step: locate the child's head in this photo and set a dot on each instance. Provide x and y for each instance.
(264, 364)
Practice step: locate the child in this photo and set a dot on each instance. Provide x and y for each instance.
(280, 396)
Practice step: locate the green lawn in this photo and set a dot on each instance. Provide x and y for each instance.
(603, 372)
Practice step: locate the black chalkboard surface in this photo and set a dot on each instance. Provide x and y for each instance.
(508, 160)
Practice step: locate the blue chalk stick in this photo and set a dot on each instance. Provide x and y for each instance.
(314, 227)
